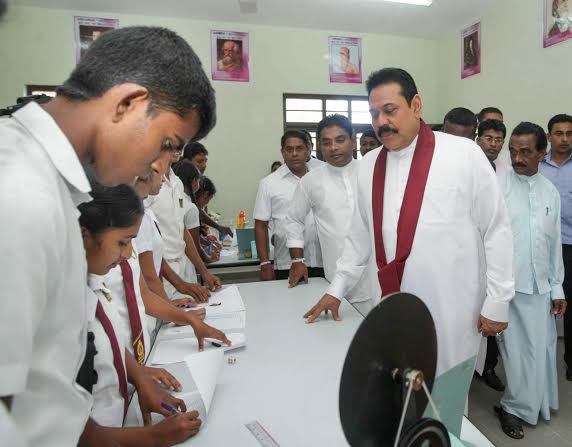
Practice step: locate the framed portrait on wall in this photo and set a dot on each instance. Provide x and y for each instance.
(471, 50)
(557, 21)
(345, 59)
(88, 29)
(229, 56)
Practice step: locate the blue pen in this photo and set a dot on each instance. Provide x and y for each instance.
(169, 408)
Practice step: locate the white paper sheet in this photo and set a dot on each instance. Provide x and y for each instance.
(205, 368)
(226, 322)
(228, 252)
(230, 300)
(481, 357)
(176, 350)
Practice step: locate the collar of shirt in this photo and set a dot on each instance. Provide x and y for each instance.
(46, 131)
(530, 179)
(337, 170)
(406, 152)
(284, 171)
(97, 282)
(548, 159)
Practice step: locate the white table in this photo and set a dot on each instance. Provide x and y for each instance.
(287, 377)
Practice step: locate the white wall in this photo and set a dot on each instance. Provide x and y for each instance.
(37, 47)
(527, 82)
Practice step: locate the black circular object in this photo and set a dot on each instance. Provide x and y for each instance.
(398, 333)
(425, 433)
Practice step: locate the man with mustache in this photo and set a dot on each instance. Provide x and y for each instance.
(329, 193)
(557, 167)
(231, 58)
(528, 346)
(425, 202)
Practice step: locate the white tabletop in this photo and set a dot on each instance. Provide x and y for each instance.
(287, 377)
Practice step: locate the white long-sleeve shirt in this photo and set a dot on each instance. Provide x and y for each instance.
(272, 201)
(329, 193)
(462, 208)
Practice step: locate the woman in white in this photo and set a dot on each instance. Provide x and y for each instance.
(109, 223)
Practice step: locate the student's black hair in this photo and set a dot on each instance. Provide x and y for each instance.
(369, 133)
(206, 186)
(112, 207)
(486, 110)
(294, 134)
(187, 172)
(3, 7)
(496, 125)
(275, 163)
(155, 58)
(193, 149)
(390, 76)
(462, 117)
(335, 120)
(561, 118)
(527, 128)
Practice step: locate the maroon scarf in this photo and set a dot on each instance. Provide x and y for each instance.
(390, 275)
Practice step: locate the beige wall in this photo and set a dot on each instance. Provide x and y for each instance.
(527, 82)
(37, 47)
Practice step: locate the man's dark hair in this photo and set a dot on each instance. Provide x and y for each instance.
(155, 58)
(3, 7)
(527, 128)
(496, 125)
(294, 134)
(390, 76)
(193, 149)
(462, 117)
(562, 118)
(369, 133)
(335, 120)
(486, 110)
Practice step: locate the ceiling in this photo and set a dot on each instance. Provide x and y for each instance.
(370, 16)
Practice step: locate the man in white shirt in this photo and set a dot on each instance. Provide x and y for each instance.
(329, 192)
(425, 202)
(490, 137)
(114, 113)
(272, 202)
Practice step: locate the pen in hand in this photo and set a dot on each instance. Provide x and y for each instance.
(169, 408)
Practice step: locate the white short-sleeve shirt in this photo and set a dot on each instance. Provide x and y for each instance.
(114, 282)
(169, 208)
(44, 313)
(108, 403)
(191, 219)
(272, 203)
(149, 238)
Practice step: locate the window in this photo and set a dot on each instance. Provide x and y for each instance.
(304, 112)
(49, 90)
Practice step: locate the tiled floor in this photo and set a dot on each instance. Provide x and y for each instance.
(556, 432)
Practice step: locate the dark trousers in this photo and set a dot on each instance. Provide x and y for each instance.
(567, 257)
(313, 272)
(492, 357)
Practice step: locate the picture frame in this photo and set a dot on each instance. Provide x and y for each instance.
(88, 29)
(471, 50)
(557, 22)
(345, 59)
(230, 56)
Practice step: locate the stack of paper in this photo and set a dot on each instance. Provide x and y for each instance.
(199, 376)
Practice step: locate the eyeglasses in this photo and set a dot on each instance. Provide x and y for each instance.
(490, 139)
